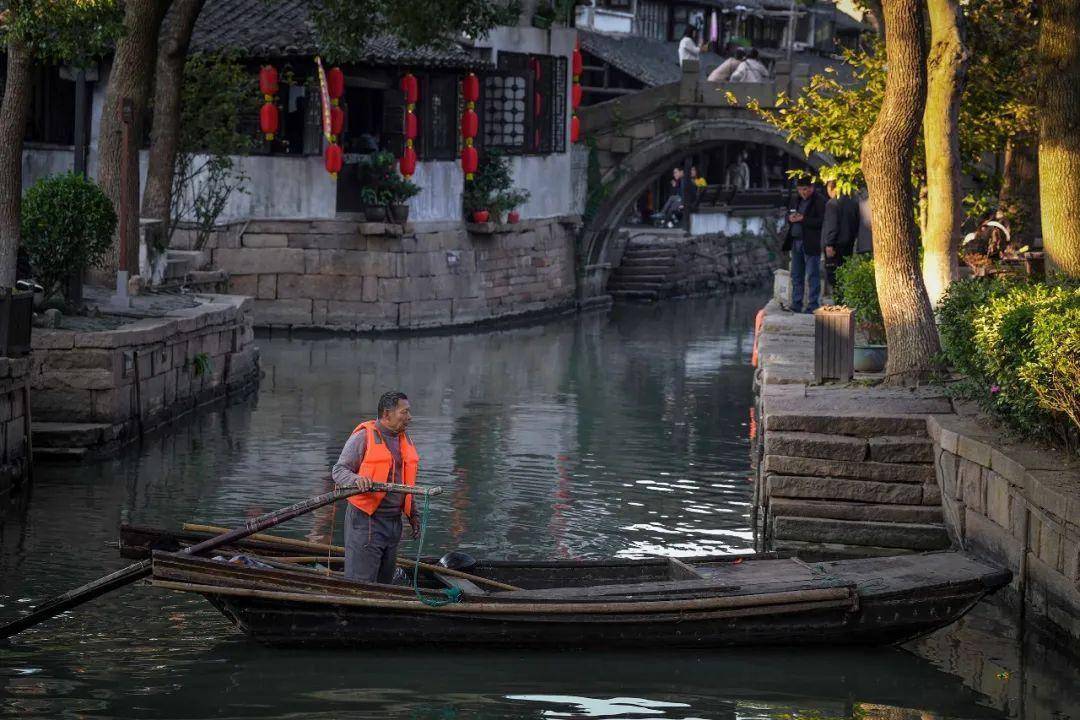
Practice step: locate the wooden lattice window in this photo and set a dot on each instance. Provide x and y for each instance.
(507, 107)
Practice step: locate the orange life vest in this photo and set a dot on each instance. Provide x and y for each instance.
(377, 463)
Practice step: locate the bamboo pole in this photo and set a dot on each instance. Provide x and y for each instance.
(125, 576)
(804, 599)
(340, 551)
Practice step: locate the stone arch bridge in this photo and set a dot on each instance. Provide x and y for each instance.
(637, 136)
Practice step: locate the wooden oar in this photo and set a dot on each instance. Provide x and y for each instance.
(131, 573)
(337, 550)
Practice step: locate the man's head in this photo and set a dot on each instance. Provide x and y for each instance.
(740, 54)
(677, 173)
(394, 411)
(804, 187)
(830, 187)
(754, 54)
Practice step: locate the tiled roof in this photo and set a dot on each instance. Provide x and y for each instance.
(652, 62)
(283, 28)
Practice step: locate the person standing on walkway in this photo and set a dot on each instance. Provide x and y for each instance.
(378, 451)
(803, 239)
(839, 230)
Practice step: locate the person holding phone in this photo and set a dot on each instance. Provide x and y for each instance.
(803, 239)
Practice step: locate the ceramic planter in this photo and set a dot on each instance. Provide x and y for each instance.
(513, 217)
(480, 216)
(399, 213)
(870, 358)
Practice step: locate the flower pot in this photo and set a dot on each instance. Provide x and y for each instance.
(399, 213)
(870, 358)
(481, 216)
(375, 213)
(513, 217)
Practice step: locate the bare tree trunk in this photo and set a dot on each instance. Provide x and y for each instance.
(13, 112)
(165, 135)
(886, 159)
(130, 77)
(1059, 132)
(946, 66)
(1019, 195)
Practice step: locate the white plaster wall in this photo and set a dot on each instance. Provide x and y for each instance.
(40, 162)
(724, 223)
(441, 184)
(604, 21)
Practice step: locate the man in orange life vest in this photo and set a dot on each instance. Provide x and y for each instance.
(378, 451)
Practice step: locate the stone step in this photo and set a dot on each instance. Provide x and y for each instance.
(59, 454)
(643, 269)
(634, 278)
(855, 510)
(915, 536)
(646, 295)
(812, 550)
(815, 445)
(857, 424)
(901, 449)
(879, 472)
(61, 435)
(816, 488)
(655, 253)
(176, 268)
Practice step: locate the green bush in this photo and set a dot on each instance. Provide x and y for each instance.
(492, 186)
(857, 288)
(1018, 344)
(67, 226)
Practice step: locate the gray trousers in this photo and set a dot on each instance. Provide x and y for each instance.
(371, 543)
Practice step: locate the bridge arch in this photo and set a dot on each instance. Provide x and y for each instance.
(625, 181)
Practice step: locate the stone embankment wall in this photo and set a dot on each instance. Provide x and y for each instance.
(95, 391)
(863, 469)
(655, 263)
(1018, 506)
(345, 275)
(14, 460)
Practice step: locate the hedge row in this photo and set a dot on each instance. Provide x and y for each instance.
(1018, 344)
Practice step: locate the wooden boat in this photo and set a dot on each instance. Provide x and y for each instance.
(660, 602)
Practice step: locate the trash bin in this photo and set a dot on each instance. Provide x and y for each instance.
(834, 343)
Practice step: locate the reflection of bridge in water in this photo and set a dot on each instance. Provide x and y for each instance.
(639, 137)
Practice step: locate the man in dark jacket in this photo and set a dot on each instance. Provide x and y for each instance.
(839, 230)
(803, 239)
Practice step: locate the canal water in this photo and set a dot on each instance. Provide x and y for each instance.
(621, 434)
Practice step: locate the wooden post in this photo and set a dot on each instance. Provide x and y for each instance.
(834, 344)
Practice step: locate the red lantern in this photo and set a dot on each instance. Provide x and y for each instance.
(335, 158)
(407, 163)
(268, 120)
(575, 95)
(470, 124)
(575, 129)
(577, 63)
(470, 88)
(337, 121)
(410, 125)
(335, 83)
(411, 88)
(268, 80)
(470, 160)
(538, 103)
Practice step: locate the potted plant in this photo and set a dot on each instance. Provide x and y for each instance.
(491, 193)
(511, 200)
(400, 189)
(856, 287)
(67, 226)
(374, 202)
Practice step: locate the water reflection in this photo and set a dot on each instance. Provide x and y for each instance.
(587, 437)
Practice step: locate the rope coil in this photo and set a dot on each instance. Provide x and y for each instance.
(453, 594)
